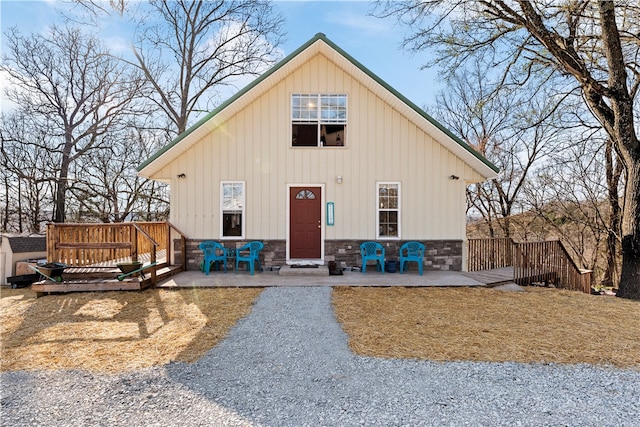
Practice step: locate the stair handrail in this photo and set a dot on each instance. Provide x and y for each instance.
(145, 234)
(154, 265)
(582, 272)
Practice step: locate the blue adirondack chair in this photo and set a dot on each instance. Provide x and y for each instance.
(214, 252)
(249, 253)
(414, 253)
(372, 251)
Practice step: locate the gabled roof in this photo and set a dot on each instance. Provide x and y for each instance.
(318, 44)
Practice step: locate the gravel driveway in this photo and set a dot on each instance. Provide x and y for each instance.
(288, 364)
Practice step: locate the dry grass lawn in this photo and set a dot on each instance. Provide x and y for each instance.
(539, 325)
(115, 331)
(120, 331)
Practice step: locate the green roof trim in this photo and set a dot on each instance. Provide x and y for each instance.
(412, 105)
(272, 70)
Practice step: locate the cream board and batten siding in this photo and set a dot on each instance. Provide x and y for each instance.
(254, 146)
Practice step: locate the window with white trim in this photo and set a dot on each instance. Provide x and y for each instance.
(318, 120)
(388, 206)
(232, 197)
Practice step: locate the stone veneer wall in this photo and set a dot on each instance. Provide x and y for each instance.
(274, 252)
(439, 254)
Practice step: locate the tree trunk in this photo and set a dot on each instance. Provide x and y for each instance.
(618, 121)
(630, 274)
(61, 187)
(613, 172)
(7, 212)
(20, 227)
(59, 205)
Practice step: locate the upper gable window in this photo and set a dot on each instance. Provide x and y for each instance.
(318, 120)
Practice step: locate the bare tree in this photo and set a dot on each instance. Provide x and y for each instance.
(188, 51)
(74, 92)
(512, 127)
(98, 8)
(191, 49)
(25, 170)
(568, 197)
(108, 187)
(601, 178)
(593, 45)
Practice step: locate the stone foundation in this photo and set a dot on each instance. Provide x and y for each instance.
(439, 254)
(273, 254)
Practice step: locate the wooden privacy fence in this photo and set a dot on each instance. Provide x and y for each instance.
(82, 245)
(532, 262)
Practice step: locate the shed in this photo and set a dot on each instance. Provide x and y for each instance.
(314, 157)
(14, 249)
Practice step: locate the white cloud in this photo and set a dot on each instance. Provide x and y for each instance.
(117, 45)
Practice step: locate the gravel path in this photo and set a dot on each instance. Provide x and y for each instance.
(288, 364)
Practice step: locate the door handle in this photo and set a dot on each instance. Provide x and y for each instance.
(320, 224)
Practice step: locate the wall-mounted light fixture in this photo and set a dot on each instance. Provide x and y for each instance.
(181, 176)
(339, 179)
(454, 177)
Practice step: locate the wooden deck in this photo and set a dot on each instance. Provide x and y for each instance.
(505, 275)
(493, 277)
(103, 276)
(92, 252)
(80, 283)
(110, 268)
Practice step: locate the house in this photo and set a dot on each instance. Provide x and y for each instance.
(15, 249)
(314, 157)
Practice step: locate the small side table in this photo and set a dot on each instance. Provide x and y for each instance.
(231, 255)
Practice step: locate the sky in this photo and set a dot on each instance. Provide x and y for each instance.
(374, 42)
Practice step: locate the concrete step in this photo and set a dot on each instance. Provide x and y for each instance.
(289, 270)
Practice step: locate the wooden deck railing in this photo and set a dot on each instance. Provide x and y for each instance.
(98, 246)
(82, 245)
(532, 262)
(549, 261)
(489, 254)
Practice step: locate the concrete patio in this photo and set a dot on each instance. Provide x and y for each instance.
(313, 277)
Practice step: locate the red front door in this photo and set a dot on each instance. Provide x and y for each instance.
(305, 232)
